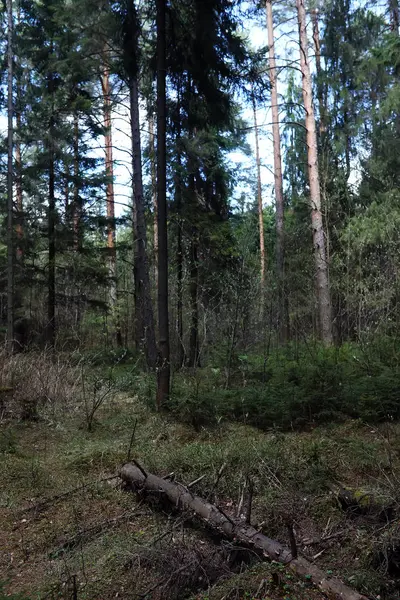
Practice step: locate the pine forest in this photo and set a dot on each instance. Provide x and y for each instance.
(200, 299)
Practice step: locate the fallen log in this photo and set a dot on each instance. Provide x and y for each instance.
(235, 529)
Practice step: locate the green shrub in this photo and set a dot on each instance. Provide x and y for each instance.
(299, 387)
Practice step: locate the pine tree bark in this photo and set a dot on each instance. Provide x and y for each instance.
(260, 210)
(394, 16)
(153, 174)
(18, 191)
(77, 208)
(111, 229)
(321, 265)
(179, 240)
(51, 302)
(278, 180)
(163, 380)
(10, 183)
(320, 87)
(142, 267)
(194, 347)
(18, 167)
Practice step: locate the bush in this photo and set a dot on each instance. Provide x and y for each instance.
(299, 387)
(35, 381)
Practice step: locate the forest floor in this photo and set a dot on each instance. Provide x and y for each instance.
(98, 542)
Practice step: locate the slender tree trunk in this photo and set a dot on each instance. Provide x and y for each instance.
(163, 320)
(18, 191)
(77, 208)
(260, 211)
(143, 278)
(10, 183)
(111, 229)
(51, 302)
(278, 180)
(321, 266)
(194, 348)
(179, 234)
(18, 168)
(153, 173)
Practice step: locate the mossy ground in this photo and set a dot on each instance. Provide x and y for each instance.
(98, 543)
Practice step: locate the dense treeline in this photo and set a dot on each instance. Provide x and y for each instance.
(193, 272)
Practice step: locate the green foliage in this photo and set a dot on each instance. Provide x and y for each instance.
(8, 441)
(297, 388)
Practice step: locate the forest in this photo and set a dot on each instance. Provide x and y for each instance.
(200, 299)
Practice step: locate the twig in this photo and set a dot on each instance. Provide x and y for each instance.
(226, 516)
(217, 480)
(143, 472)
(195, 481)
(249, 501)
(241, 500)
(292, 539)
(165, 580)
(44, 503)
(170, 475)
(95, 529)
(131, 441)
(323, 538)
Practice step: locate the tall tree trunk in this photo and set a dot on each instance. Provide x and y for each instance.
(143, 278)
(77, 209)
(320, 86)
(163, 320)
(321, 266)
(260, 210)
(51, 301)
(10, 183)
(194, 349)
(111, 229)
(18, 190)
(179, 233)
(18, 167)
(278, 180)
(153, 173)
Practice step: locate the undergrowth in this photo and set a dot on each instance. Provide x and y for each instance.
(295, 387)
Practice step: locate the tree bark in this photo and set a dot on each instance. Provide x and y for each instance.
(143, 279)
(321, 265)
(260, 210)
(18, 191)
(77, 208)
(51, 302)
(111, 229)
(194, 349)
(320, 87)
(10, 183)
(394, 16)
(179, 241)
(280, 232)
(153, 173)
(163, 381)
(180, 497)
(18, 167)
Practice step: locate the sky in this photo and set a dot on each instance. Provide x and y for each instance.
(257, 34)
(240, 162)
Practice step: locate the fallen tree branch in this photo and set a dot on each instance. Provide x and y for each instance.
(97, 528)
(43, 504)
(236, 529)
